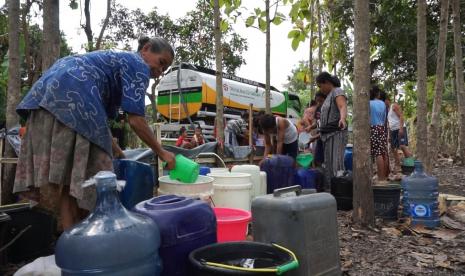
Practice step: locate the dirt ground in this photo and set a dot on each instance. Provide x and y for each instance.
(394, 248)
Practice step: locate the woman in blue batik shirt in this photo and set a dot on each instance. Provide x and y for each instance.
(68, 139)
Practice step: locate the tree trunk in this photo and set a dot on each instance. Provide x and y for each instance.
(219, 75)
(104, 26)
(267, 57)
(320, 42)
(13, 94)
(87, 27)
(51, 36)
(435, 125)
(310, 56)
(422, 108)
(50, 53)
(363, 213)
(27, 43)
(459, 78)
(153, 100)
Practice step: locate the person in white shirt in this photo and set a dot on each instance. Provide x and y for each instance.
(397, 131)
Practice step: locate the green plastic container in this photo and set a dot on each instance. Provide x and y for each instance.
(408, 162)
(186, 170)
(304, 160)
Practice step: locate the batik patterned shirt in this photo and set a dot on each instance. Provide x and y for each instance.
(83, 91)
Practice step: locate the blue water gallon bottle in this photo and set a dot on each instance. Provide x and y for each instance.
(420, 197)
(111, 240)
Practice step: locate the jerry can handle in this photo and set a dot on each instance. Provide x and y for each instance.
(296, 188)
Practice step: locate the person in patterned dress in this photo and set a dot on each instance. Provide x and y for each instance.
(68, 139)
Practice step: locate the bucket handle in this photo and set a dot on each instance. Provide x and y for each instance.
(279, 270)
(296, 188)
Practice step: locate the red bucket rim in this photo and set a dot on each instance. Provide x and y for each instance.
(247, 215)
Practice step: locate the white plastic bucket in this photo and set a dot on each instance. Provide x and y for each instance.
(232, 190)
(263, 182)
(202, 188)
(254, 171)
(219, 170)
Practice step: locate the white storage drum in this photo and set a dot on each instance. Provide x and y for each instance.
(254, 171)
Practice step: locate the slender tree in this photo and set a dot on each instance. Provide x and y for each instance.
(219, 73)
(87, 27)
(51, 36)
(267, 55)
(422, 108)
(320, 40)
(104, 26)
(435, 124)
(363, 213)
(310, 56)
(13, 94)
(459, 77)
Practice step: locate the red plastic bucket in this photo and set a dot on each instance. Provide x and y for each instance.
(231, 224)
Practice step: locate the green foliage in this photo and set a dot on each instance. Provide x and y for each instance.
(259, 17)
(298, 82)
(192, 36)
(35, 54)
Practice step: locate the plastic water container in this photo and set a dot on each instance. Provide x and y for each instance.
(139, 178)
(386, 200)
(202, 188)
(215, 170)
(306, 178)
(254, 171)
(185, 170)
(263, 180)
(348, 153)
(111, 240)
(420, 197)
(232, 224)
(304, 160)
(279, 172)
(232, 190)
(204, 170)
(342, 189)
(305, 224)
(185, 224)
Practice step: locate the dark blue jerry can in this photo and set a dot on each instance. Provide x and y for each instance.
(306, 178)
(185, 224)
(280, 172)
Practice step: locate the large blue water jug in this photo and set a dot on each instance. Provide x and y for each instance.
(348, 158)
(420, 197)
(111, 240)
(140, 180)
(279, 172)
(306, 178)
(185, 224)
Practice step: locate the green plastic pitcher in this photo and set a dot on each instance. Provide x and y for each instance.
(186, 170)
(408, 161)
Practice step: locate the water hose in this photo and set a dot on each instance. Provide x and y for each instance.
(279, 270)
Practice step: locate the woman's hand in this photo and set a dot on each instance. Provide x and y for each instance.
(342, 123)
(117, 152)
(169, 158)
